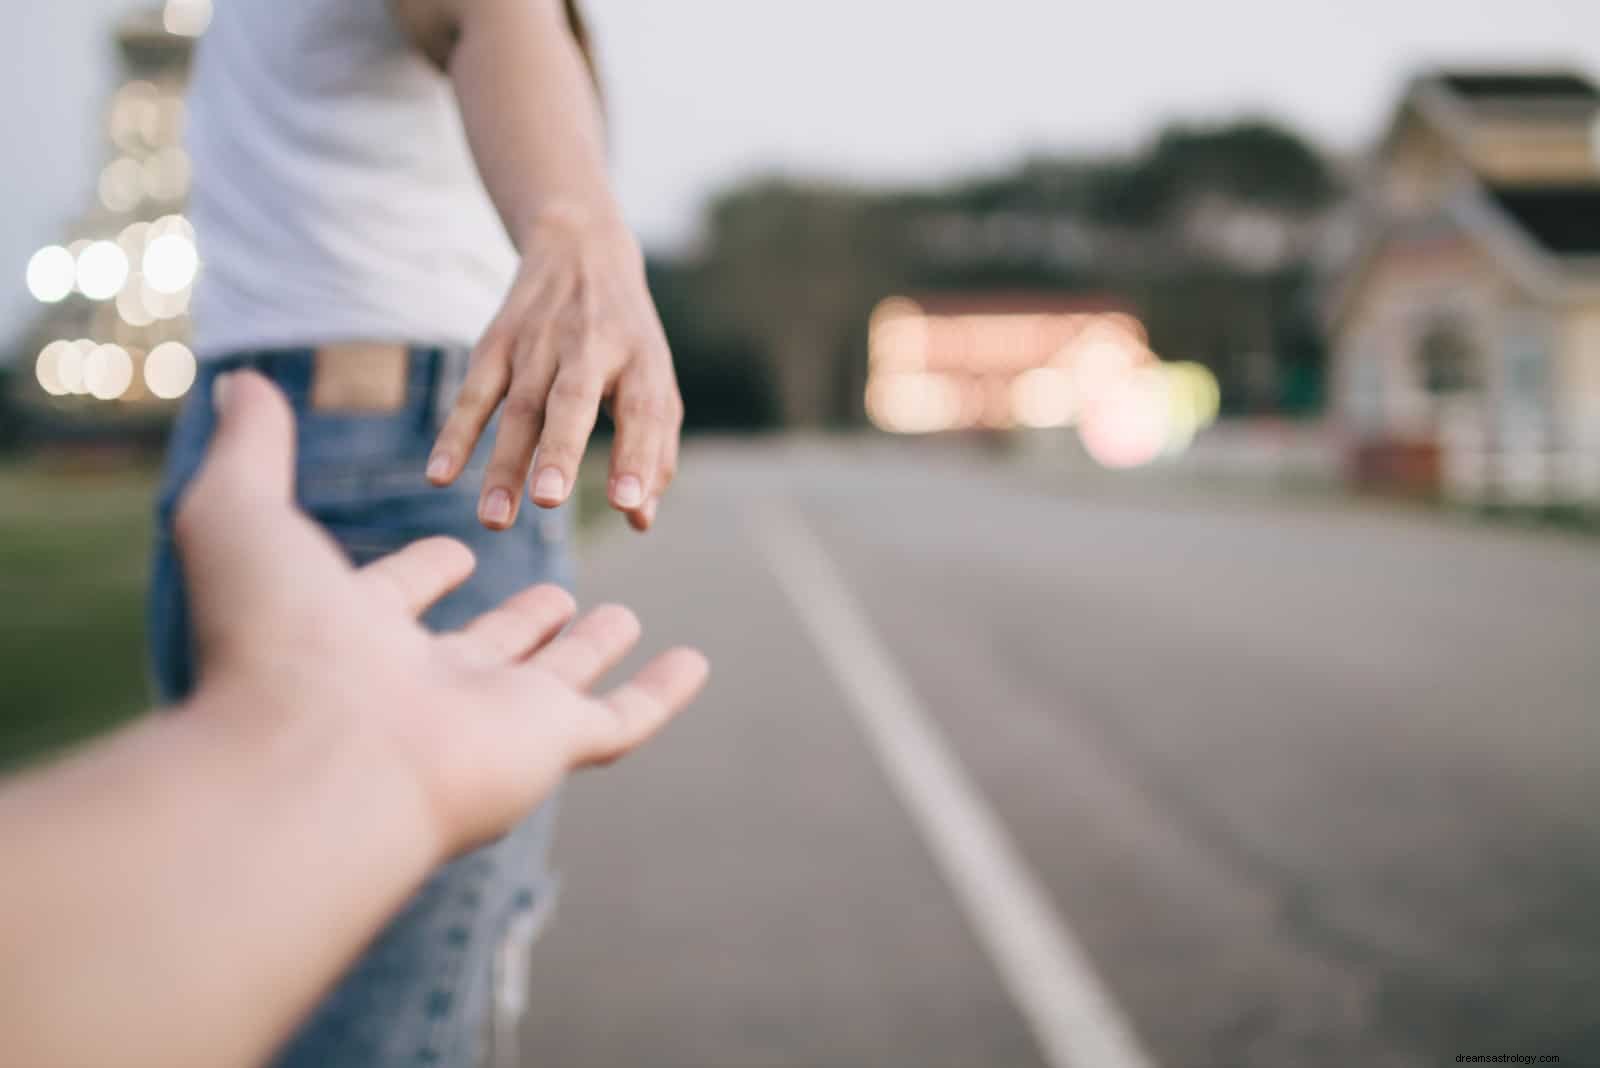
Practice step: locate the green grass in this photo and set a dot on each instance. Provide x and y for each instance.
(74, 549)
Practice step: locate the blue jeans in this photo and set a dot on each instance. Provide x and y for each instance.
(423, 993)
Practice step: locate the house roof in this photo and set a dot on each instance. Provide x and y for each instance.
(1563, 219)
(1547, 234)
(1519, 86)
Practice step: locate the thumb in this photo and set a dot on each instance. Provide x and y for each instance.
(249, 462)
(253, 447)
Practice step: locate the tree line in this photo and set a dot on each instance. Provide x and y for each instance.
(1212, 233)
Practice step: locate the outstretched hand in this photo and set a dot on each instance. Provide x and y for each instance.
(577, 330)
(481, 723)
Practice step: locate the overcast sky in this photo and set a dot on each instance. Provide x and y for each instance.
(704, 91)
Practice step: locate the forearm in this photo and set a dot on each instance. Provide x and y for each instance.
(531, 114)
(181, 893)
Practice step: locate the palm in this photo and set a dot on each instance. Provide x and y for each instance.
(485, 720)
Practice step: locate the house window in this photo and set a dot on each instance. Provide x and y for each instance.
(1450, 359)
(1527, 368)
(1526, 382)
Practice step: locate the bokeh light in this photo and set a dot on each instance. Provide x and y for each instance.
(107, 372)
(163, 305)
(69, 364)
(134, 110)
(52, 272)
(1042, 398)
(48, 367)
(122, 185)
(102, 270)
(169, 370)
(1127, 424)
(1194, 401)
(986, 363)
(132, 240)
(165, 175)
(132, 308)
(187, 18)
(170, 224)
(914, 402)
(170, 262)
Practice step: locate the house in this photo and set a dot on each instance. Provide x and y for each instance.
(1465, 326)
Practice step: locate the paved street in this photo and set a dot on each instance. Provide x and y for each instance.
(1298, 784)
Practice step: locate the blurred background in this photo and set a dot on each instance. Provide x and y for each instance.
(1186, 416)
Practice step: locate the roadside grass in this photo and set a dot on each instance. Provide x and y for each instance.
(74, 549)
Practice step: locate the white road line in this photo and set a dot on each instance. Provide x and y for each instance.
(1072, 1015)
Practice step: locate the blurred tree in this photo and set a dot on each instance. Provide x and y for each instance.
(1254, 163)
(788, 265)
(1207, 231)
(726, 385)
(10, 413)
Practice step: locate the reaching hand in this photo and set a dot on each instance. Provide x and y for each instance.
(577, 329)
(481, 723)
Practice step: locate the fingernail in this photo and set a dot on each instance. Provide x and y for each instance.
(439, 466)
(650, 510)
(497, 507)
(629, 493)
(551, 485)
(219, 390)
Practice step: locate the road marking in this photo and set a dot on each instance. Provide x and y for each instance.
(1050, 977)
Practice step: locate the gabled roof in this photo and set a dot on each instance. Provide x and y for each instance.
(1512, 86)
(1454, 102)
(1546, 235)
(1563, 219)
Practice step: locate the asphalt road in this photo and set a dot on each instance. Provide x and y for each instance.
(1298, 784)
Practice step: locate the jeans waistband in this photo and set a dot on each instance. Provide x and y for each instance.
(433, 374)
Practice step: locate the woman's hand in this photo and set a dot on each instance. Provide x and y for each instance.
(578, 329)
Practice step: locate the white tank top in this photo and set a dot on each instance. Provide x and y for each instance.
(334, 195)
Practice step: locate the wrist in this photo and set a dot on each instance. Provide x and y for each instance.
(561, 220)
(316, 757)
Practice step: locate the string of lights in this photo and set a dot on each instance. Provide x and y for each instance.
(116, 292)
(941, 364)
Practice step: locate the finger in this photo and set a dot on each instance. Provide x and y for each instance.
(251, 455)
(570, 414)
(640, 413)
(668, 470)
(645, 518)
(521, 422)
(594, 645)
(641, 519)
(525, 622)
(643, 705)
(419, 575)
(481, 390)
